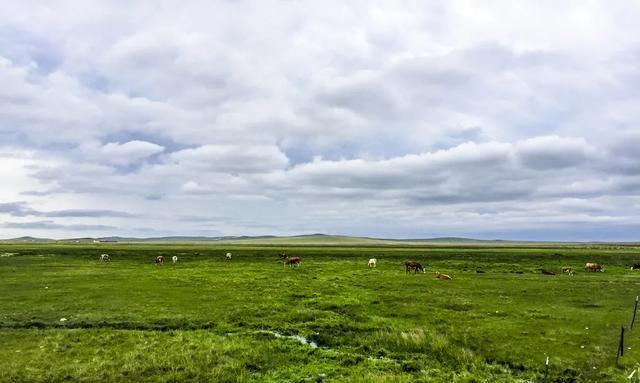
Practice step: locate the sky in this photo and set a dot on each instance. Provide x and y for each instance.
(394, 119)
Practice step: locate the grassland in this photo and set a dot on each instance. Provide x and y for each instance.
(207, 319)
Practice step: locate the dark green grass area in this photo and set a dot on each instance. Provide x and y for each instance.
(207, 319)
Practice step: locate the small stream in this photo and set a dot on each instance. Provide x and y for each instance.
(299, 338)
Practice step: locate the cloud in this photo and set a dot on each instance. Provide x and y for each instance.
(128, 152)
(230, 158)
(51, 225)
(22, 209)
(553, 152)
(380, 119)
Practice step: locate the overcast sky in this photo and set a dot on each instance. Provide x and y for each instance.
(489, 119)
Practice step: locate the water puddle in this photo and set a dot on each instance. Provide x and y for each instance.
(299, 338)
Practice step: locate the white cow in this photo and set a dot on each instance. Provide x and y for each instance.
(373, 262)
(174, 259)
(105, 258)
(228, 256)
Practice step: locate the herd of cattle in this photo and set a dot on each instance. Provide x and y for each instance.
(409, 265)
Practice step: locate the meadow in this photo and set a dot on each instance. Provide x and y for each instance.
(64, 316)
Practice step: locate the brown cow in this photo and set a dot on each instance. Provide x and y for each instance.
(293, 261)
(159, 260)
(442, 277)
(413, 265)
(589, 266)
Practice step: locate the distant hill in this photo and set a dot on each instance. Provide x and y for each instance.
(316, 238)
(305, 239)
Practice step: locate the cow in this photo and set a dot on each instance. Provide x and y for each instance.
(160, 260)
(567, 270)
(283, 255)
(228, 256)
(635, 265)
(174, 259)
(479, 271)
(442, 277)
(105, 258)
(373, 262)
(413, 265)
(293, 261)
(589, 266)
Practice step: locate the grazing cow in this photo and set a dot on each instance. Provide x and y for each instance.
(373, 262)
(105, 258)
(442, 277)
(283, 255)
(635, 265)
(547, 272)
(589, 266)
(228, 256)
(293, 261)
(567, 270)
(413, 265)
(160, 260)
(174, 259)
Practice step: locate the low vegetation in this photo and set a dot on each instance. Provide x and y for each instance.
(66, 316)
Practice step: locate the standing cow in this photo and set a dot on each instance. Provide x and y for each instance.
(589, 267)
(160, 260)
(413, 265)
(228, 256)
(293, 261)
(174, 259)
(373, 262)
(105, 258)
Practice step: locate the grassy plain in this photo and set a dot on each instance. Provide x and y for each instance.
(207, 319)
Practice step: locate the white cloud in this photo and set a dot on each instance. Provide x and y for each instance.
(438, 118)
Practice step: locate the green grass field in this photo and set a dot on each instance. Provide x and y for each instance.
(207, 319)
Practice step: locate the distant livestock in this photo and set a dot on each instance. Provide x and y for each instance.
(228, 256)
(160, 260)
(593, 267)
(442, 277)
(547, 272)
(174, 259)
(283, 255)
(373, 262)
(567, 270)
(105, 258)
(635, 265)
(293, 261)
(413, 265)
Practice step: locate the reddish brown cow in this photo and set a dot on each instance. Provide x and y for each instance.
(413, 265)
(293, 261)
(593, 267)
(442, 277)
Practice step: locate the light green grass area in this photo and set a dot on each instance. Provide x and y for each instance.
(207, 319)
